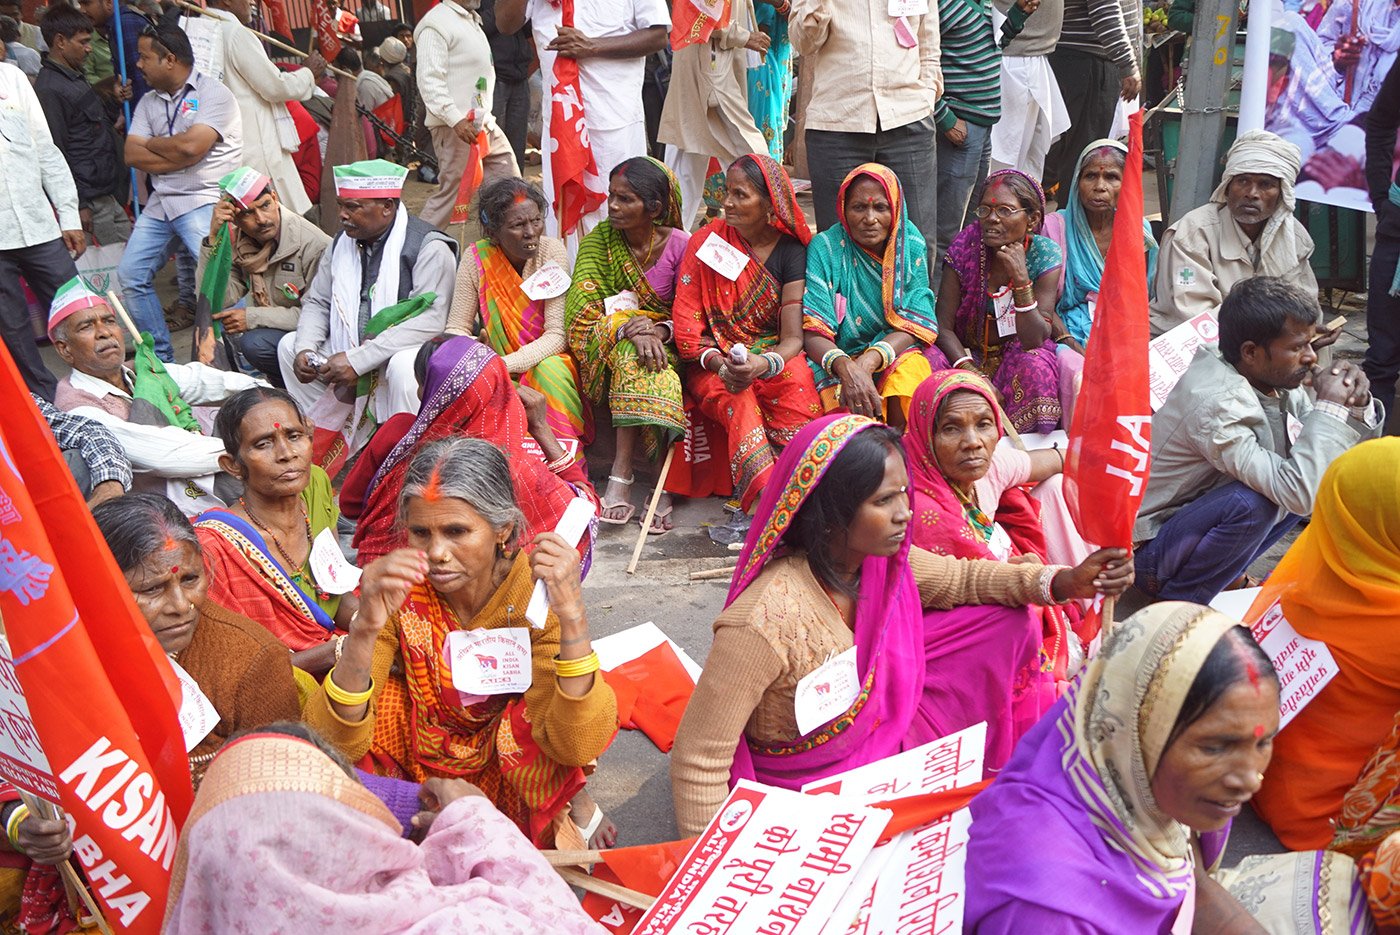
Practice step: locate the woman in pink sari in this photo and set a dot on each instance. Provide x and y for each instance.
(827, 570)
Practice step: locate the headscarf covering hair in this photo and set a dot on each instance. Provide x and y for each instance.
(671, 215)
(1002, 174)
(944, 522)
(787, 214)
(1259, 152)
(1083, 260)
(896, 260)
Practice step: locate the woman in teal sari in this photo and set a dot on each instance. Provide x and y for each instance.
(1084, 229)
(770, 83)
(867, 310)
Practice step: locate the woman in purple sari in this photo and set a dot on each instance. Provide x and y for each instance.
(1113, 814)
(828, 570)
(996, 302)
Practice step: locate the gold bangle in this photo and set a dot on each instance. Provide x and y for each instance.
(17, 817)
(569, 668)
(342, 697)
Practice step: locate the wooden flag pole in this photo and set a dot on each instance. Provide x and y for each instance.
(270, 40)
(651, 509)
(117, 307)
(72, 883)
(612, 891)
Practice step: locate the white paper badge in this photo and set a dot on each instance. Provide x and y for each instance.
(329, 566)
(549, 282)
(1005, 307)
(908, 7)
(197, 714)
(1294, 426)
(722, 257)
(1000, 543)
(490, 662)
(624, 301)
(827, 691)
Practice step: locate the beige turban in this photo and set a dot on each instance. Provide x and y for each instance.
(1259, 152)
(392, 51)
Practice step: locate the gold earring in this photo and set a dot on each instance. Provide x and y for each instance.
(1259, 776)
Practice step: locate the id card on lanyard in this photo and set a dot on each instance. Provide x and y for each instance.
(185, 103)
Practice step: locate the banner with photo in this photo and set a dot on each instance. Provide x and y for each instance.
(1326, 62)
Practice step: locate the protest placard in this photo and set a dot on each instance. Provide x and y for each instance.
(1169, 355)
(772, 862)
(917, 885)
(22, 759)
(1304, 665)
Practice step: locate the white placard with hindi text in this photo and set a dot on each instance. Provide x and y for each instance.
(329, 566)
(548, 282)
(1169, 355)
(722, 257)
(826, 692)
(923, 873)
(207, 43)
(22, 760)
(197, 714)
(908, 8)
(771, 861)
(1304, 665)
(491, 662)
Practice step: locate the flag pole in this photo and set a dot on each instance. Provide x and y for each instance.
(270, 40)
(117, 307)
(126, 105)
(651, 510)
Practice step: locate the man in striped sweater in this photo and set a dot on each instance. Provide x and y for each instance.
(970, 105)
(1095, 63)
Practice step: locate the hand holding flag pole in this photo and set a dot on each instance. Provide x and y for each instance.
(72, 883)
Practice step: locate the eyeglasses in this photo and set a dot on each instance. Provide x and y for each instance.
(1005, 212)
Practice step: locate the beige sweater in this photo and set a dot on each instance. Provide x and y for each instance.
(781, 628)
(464, 317)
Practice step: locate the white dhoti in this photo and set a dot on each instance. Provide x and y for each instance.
(1033, 114)
(395, 392)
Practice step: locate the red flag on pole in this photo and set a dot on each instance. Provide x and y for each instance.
(1110, 438)
(693, 21)
(101, 697)
(326, 38)
(277, 17)
(574, 173)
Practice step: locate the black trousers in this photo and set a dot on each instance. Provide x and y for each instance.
(1090, 87)
(45, 267)
(1382, 362)
(511, 108)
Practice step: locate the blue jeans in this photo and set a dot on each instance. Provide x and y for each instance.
(960, 170)
(146, 253)
(1209, 543)
(260, 347)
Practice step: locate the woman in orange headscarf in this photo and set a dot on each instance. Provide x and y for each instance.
(1335, 777)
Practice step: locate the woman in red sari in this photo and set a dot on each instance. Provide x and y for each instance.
(763, 401)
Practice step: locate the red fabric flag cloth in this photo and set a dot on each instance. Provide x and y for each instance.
(102, 698)
(326, 39)
(915, 811)
(573, 171)
(646, 869)
(652, 692)
(1110, 438)
(693, 21)
(471, 179)
(277, 17)
(391, 113)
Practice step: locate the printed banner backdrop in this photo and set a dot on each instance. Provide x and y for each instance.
(1327, 59)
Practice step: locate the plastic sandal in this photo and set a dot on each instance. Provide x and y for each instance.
(631, 507)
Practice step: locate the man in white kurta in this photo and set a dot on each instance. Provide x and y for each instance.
(262, 90)
(610, 40)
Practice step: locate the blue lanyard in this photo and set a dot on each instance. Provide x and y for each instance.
(169, 119)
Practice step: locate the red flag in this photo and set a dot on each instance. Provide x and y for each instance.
(101, 696)
(326, 38)
(646, 868)
(391, 112)
(693, 21)
(1111, 435)
(577, 188)
(471, 179)
(277, 17)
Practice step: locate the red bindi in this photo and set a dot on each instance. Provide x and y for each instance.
(1258, 731)
(277, 425)
(174, 569)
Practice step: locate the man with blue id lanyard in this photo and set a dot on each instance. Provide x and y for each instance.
(186, 134)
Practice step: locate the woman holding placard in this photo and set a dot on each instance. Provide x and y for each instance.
(510, 293)
(259, 550)
(442, 675)
(996, 301)
(619, 318)
(738, 320)
(1332, 783)
(235, 675)
(1132, 782)
(840, 645)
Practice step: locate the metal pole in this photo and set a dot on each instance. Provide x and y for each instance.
(1203, 106)
(1254, 87)
(120, 59)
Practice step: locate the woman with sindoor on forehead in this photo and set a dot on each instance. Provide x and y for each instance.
(489, 302)
(996, 302)
(1113, 814)
(258, 550)
(464, 581)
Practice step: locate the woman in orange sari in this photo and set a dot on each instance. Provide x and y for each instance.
(490, 302)
(1335, 777)
(737, 318)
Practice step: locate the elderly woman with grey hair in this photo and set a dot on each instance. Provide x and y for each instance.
(510, 293)
(442, 675)
(241, 668)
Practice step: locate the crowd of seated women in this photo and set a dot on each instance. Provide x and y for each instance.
(863, 410)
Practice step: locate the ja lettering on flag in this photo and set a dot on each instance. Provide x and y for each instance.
(573, 171)
(1110, 439)
(102, 699)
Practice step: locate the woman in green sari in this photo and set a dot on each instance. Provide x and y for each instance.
(618, 318)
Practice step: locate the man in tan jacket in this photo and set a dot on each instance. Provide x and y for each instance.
(275, 254)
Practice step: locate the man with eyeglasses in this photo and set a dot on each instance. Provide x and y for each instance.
(186, 134)
(276, 254)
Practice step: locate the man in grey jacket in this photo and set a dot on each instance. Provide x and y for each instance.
(1240, 445)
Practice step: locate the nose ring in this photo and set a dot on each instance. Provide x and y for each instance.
(1259, 777)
